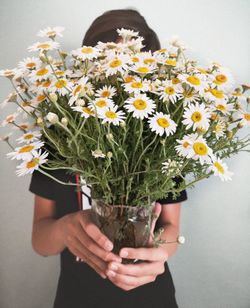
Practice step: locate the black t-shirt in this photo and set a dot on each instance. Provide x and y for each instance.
(79, 285)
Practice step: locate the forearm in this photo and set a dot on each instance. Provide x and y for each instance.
(47, 236)
(170, 234)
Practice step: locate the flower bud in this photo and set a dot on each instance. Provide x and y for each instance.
(52, 118)
(181, 239)
(80, 102)
(53, 97)
(229, 134)
(109, 154)
(64, 121)
(240, 125)
(110, 136)
(39, 121)
(123, 124)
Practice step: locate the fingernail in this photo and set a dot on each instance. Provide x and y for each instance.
(109, 246)
(103, 276)
(111, 273)
(113, 266)
(124, 253)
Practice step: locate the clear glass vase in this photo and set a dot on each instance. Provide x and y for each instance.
(125, 226)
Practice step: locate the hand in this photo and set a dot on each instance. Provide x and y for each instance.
(130, 276)
(85, 240)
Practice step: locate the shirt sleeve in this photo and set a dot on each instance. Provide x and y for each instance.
(170, 198)
(42, 185)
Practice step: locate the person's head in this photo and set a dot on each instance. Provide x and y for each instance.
(103, 28)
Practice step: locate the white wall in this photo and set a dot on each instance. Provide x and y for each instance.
(212, 269)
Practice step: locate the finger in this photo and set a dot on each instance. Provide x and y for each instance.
(95, 233)
(142, 269)
(156, 215)
(129, 281)
(148, 254)
(91, 262)
(85, 242)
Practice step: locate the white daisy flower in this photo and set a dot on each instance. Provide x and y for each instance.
(51, 32)
(11, 98)
(147, 58)
(38, 99)
(26, 152)
(220, 169)
(86, 112)
(223, 107)
(140, 105)
(136, 85)
(44, 46)
(29, 137)
(190, 96)
(80, 89)
(196, 116)
(127, 34)
(111, 115)
(170, 91)
(223, 79)
(161, 123)
(200, 151)
(142, 68)
(116, 63)
(40, 74)
(106, 92)
(101, 104)
(86, 52)
(98, 153)
(214, 95)
(9, 119)
(61, 86)
(245, 118)
(28, 166)
(219, 129)
(135, 44)
(196, 81)
(185, 144)
(9, 73)
(29, 64)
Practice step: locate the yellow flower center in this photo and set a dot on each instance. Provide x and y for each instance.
(221, 107)
(87, 50)
(77, 89)
(217, 93)
(135, 59)
(26, 149)
(111, 114)
(143, 69)
(51, 33)
(175, 80)
(32, 163)
(194, 80)
(247, 116)
(28, 136)
(59, 73)
(202, 70)
(186, 144)
(140, 104)
(101, 103)
(170, 62)
(105, 93)
(9, 119)
(200, 148)
(115, 63)
(43, 71)
(169, 90)
(196, 116)
(162, 50)
(24, 126)
(219, 167)
(60, 84)
(219, 79)
(30, 65)
(149, 61)
(188, 94)
(136, 85)
(129, 79)
(43, 46)
(26, 104)
(40, 98)
(87, 110)
(163, 122)
(46, 83)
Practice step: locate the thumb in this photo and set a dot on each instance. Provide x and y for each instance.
(155, 215)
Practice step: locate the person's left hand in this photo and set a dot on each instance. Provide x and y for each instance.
(130, 276)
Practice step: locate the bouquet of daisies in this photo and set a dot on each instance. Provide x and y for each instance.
(128, 122)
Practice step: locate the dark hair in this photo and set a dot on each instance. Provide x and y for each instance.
(103, 28)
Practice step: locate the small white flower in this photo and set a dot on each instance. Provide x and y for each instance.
(170, 91)
(9, 119)
(111, 115)
(220, 169)
(61, 86)
(26, 152)
(9, 73)
(196, 81)
(40, 74)
(44, 46)
(161, 123)
(28, 166)
(127, 34)
(106, 92)
(52, 118)
(196, 116)
(51, 32)
(98, 154)
(245, 118)
(86, 112)
(136, 85)
(101, 104)
(29, 64)
(29, 137)
(142, 68)
(140, 105)
(185, 144)
(116, 63)
(86, 52)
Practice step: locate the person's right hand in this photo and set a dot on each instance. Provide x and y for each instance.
(85, 240)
